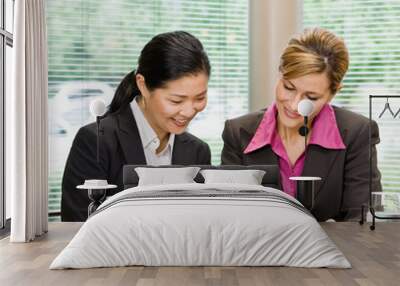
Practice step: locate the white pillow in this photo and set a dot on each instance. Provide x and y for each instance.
(165, 176)
(248, 177)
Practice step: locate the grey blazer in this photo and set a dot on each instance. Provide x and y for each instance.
(345, 173)
(120, 144)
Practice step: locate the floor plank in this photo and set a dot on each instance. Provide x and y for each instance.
(374, 255)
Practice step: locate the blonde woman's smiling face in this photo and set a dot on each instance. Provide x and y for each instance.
(289, 92)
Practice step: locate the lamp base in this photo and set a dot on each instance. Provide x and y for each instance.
(306, 190)
(96, 196)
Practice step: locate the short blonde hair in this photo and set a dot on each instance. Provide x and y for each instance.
(316, 51)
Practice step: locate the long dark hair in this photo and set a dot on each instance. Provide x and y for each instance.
(166, 57)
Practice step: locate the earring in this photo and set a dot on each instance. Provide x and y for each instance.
(144, 103)
(141, 102)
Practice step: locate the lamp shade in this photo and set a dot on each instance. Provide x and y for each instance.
(97, 107)
(305, 107)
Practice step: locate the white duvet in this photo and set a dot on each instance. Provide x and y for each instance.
(184, 230)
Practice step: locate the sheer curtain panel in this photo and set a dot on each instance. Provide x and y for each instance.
(27, 124)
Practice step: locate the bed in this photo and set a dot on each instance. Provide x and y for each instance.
(201, 223)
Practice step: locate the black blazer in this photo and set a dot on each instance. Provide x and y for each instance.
(345, 173)
(120, 144)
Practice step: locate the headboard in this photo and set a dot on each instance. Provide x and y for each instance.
(270, 179)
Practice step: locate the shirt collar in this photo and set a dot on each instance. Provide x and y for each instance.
(147, 134)
(325, 132)
(265, 130)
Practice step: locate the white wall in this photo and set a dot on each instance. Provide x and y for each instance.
(272, 23)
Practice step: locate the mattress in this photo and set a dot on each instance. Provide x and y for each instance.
(201, 225)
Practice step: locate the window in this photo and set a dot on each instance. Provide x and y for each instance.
(371, 30)
(6, 43)
(94, 43)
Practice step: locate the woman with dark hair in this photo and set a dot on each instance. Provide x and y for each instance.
(146, 120)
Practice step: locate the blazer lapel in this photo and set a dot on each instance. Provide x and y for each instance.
(262, 156)
(319, 162)
(181, 152)
(129, 138)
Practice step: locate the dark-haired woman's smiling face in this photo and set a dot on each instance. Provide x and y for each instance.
(171, 108)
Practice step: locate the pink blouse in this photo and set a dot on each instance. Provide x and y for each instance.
(325, 133)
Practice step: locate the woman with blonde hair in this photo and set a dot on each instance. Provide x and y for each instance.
(312, 67)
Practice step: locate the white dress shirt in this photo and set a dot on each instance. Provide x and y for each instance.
(150, 141)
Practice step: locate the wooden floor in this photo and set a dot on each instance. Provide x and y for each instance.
(374, 255)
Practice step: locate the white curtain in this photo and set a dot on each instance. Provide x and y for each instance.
(26, 129)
